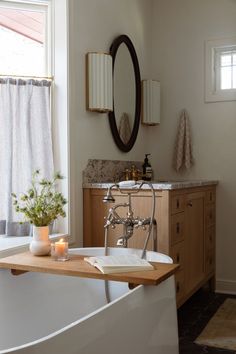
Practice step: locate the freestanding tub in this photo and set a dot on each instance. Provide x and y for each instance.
(54, 314)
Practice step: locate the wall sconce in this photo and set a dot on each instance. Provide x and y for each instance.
(151, 102)
(99, 96)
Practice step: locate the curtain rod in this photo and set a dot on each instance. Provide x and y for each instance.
(28, 77)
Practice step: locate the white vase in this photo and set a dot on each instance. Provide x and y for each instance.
(40, 244)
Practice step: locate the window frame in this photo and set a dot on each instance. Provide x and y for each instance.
(213, 93)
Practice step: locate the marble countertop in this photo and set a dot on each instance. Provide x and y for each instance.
(160, 185)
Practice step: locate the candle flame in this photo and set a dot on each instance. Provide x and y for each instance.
(61, 240)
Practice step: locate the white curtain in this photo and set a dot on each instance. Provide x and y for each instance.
(25, 144)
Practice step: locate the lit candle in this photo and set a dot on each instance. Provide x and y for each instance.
(61, 250)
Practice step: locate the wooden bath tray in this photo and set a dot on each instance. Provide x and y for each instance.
(76, 266)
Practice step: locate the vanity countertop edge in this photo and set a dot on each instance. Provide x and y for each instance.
(167, 185)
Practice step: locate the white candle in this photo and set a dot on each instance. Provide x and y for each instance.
(61, 249)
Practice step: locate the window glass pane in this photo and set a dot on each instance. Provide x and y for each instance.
(225, 59)
(234, 77)
(22, 37)
(226, 78)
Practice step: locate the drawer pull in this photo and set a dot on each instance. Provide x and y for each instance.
(177, 258)
(177, 287)
(177, 203)
(190, 203)
(177, 227)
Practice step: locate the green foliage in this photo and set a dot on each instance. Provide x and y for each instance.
(41, 204)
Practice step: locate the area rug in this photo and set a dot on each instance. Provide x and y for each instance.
(220, 332)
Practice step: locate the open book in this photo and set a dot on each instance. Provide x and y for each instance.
(119, 264)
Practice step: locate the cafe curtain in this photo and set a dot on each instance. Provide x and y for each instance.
(25, 144)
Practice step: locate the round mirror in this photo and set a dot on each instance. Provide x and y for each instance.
(125, 117)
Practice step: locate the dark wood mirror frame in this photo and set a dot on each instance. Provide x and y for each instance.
(112, 119)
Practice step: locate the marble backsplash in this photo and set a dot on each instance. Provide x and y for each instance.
(102, 171)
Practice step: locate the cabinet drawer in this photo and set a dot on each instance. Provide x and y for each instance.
(177, 204)
(210, 261)
(179, 285)
(210, 215)
(210, 196)
(177, 254)
(177, 228)
(210, 238)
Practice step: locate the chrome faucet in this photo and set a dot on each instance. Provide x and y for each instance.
(129, 222)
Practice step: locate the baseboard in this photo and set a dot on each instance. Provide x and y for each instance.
(226, 286)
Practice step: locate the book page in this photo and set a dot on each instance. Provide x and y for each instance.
(118, 261)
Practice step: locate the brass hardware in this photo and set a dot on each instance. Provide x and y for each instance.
(190, 203)
(105, 53)
(127, 174)
(135, 173)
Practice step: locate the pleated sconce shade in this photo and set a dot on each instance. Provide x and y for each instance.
(150, 102)
(99, 82)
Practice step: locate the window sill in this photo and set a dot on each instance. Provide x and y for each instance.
(12, 245)
(221, 96)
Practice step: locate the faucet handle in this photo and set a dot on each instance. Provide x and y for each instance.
(122, 241)
(138, 222)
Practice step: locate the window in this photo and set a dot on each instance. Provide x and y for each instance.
(25, 112)
(26, 27)
(225, 68)
(220, 70)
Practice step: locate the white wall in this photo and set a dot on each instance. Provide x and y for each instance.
(179, 31)
(93, 26)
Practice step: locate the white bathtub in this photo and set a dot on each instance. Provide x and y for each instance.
(53, 314)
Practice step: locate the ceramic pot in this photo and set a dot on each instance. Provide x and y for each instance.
(40, 244)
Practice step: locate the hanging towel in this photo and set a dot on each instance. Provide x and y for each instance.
(124, 128)
(183, 148)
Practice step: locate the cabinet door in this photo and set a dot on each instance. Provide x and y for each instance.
(194, 239)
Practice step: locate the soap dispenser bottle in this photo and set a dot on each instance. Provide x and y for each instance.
(147, 169)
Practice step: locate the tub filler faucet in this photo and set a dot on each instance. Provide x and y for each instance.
(129, 221)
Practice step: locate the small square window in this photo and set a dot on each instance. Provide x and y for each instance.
(220, 70)
(224, 68)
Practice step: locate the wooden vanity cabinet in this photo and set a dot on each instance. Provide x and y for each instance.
(185, 230)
